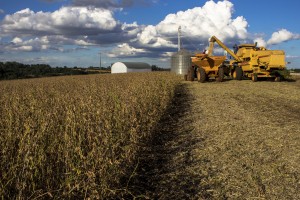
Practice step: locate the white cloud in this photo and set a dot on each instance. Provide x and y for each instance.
(282, 35)
(25, 48)
(87, 26)
(131, 29)
(198, 24)
(17, 40)
(45, 43)
(167, 54)
(84, 17)
(82, 43)
(83, 26)
(292, 57)
(238, 27)
(92, 23)
(36, 44)
(277, 37)
(65, 21)
(260, 42)
(149, 37)
(125, 50)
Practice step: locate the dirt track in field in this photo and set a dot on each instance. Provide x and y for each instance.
(229, 140)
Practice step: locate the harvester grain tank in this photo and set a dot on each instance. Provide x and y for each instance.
(254, 62)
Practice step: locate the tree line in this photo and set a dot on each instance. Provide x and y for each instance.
(295, 70)
(15, 70)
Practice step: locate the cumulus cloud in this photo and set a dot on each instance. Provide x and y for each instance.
(83, 26)
(45, 43)
(198, 25)
(277, 37)
(66, 20)
(282, 35)
(125, 50)
(131, 29)
(88, 25)
(260, 42)
(17, 40)
(36, 44)
(92, 22)
(150, 38)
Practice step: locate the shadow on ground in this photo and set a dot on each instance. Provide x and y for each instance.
(165, 163)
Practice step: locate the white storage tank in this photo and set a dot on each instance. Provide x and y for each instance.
(125, 67)
(181, 61)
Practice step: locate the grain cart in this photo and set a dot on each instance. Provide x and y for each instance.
(254, 62)
(206, 66)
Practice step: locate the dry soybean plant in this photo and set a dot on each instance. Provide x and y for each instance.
(74, 137)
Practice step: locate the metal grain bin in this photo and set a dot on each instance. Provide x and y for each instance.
(180, 62)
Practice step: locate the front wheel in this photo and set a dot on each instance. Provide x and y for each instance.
(201, 75)
(238, 73)
(190, 74)
(278, 78)
(220, 74)
(254, 77)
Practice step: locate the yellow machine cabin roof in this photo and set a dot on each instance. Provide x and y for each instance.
(247, 45)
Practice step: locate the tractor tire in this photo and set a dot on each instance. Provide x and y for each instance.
(201, 75)
(278, 79)
(190, 75)
(220, 74)
(238, 74)
(254, 77)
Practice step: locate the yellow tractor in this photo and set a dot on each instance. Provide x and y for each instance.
(209, 66)
(250, 61)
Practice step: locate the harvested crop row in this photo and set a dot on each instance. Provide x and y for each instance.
(67, 137)
(250, 147)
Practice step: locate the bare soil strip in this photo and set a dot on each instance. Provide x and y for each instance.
(230, 140)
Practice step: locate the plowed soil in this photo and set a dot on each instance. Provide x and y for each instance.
(229, 140)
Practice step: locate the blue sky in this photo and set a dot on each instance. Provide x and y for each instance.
(73, 32)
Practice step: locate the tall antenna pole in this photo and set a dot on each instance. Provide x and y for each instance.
(179, 38)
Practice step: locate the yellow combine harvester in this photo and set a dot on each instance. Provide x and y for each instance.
(248, 61)
(254, 62)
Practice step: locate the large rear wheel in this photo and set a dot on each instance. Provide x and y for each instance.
(254, 77)
(238, 73)
(201, 75)
(190, 74)
(220, 74)
(278, 78)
